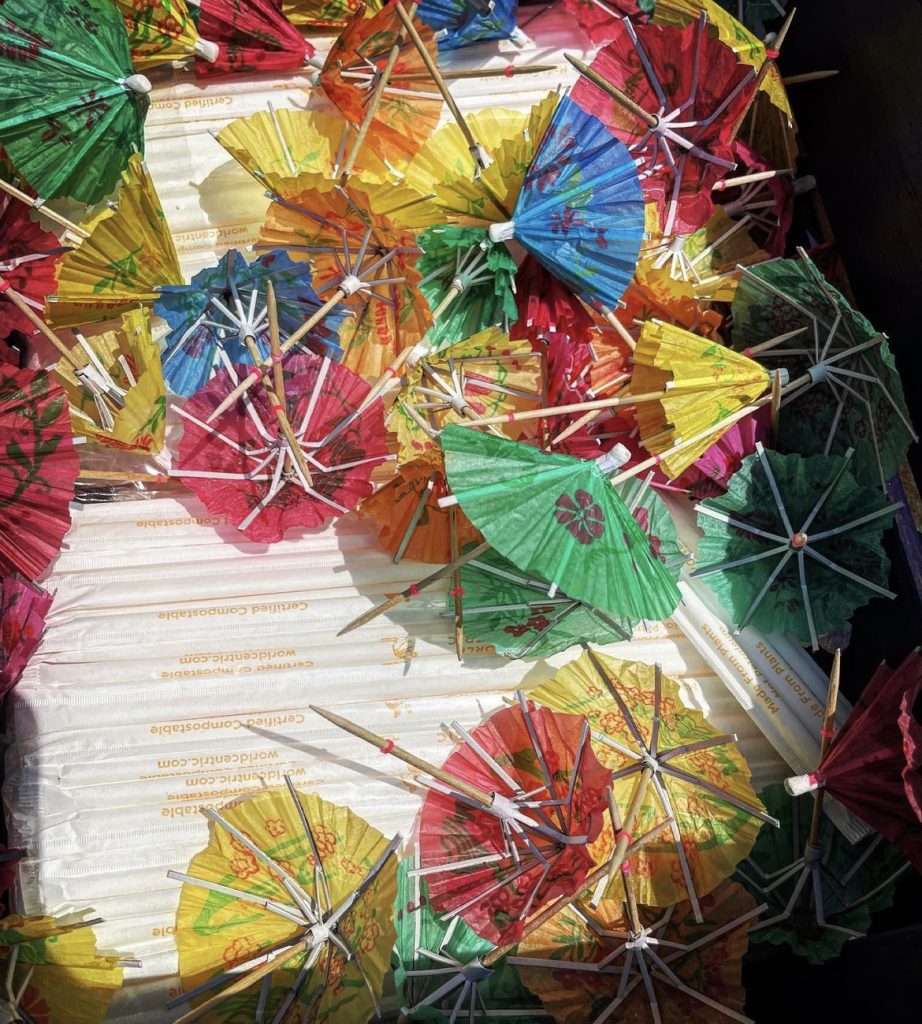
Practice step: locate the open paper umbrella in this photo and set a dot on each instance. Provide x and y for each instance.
(38, 468)
(440, 973)
(683, 95)
(688, 771)
(127, 257)
(28, 257)
(128, 360)
(250, 35)
(558, 517)
(227, 304)
(72, 110)
(267, 479)
(459, 23)
(53, 972)
(666, 967)
(161, 31)
(23, 607)
(857, 398)
(853, 881)
(794, 546)
(325, 13)
(286, 914)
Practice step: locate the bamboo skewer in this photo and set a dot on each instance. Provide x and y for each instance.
(829, 722)
(623, 835)
(748, 179)
(456, 593)
(775, 406)
(808, 76)
(38, 204)
(509, 71)
(650, 120)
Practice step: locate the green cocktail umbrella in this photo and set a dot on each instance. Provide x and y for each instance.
(855, 401)
(560, 518)
(438, 971)
(71, 108)
(794, 546)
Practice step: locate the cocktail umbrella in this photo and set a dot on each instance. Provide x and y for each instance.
(286, 914)
(767, 202)
(597, 18)
(38, 468)
(548, 308)
(28, 257)
(911, 728)
(857, 398)
(73, 111)
(794, 546)
(53, 972)
(710, 474)
(226, 304)
(683, 95)
(485, 375)
(439, 969)
(406, 510)
(687, 771)
(325, 13)
(128, 360)
(655, 293)
(560, 518)
(459, 23)
(23, 607)
(161, 31)
(267, 479)
(666, 967)
(507, 822)
(853, 881)
(862, 766)
(251, 35)
(127, 257)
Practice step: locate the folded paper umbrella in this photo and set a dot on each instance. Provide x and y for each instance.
(72, 107)
(911, 728)
(547, 308)
(560, 518)
(325, 13)
(664, 967)
(53, 973)
(459, 23)
(766, 201)
(685, 769)
(853, 397)
(127, 257)
(680, 95)
(862, 766)
(23, 608)
(127, 359)
(28, 258)
(509, 817)
(794, 546)
(286, 914)
(225, 305)
(38, 468)
(440, 971)
(249, 35)
(161, 31)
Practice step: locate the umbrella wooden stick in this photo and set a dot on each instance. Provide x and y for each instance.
(623, 333)
(783, 31)
(37, 204)
(779, 339)
(776, 406)
(563, 410)
(623, 839)
(650, 120)
(747, 179)
(413, 590)
(20, 303)
(456, 592)
(808, 76)
(829, 723)
(372, 108)
(387, 746)
(509, 71)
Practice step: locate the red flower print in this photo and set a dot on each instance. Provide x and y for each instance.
(35, 1006)
(241, 949)
(581, 516)
(370, 934)
(642, 517)
(244, 865)
(275, 827)
(171, 27)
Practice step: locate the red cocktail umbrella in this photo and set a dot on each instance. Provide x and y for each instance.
(598, 18)
(547, 308)
(23, 607)
(38, 467)
(686, 94)
(251, 35)
(767, 205)
(911, 728)
(245, 467)
(864, 764)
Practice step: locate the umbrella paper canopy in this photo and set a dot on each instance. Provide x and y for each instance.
(250, 35)
(72, 110)
(127, 359)
(588, 966)
(857, 398)
(23, 607)
(461, 23)
(794, 546)
(243, 466)
(863, 767)
(287, 911)
(911, 728)
(38, 467)
(558, 517)
(225, 305)
(53, 972)
(547, 308)
(161, 31)
(599, 18)
(495, 865)
(855, 881)
(325, 13)
(128, 256)
(694, 92)
(699, 778)
(766, 205)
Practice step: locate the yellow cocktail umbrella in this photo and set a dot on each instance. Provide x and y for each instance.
(161, 31)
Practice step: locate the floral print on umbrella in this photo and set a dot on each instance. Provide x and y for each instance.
(581, 515)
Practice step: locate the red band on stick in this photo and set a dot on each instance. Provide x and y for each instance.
(4, 285)
(624, 835)
(828, 732)
(507, 71)
(626, 868)
(414, 590)
(747, 351)
(815, 778)
(256, 373)
(510, 416)
(277, 357)
(772, 54)
(388, 747)
(457, 592)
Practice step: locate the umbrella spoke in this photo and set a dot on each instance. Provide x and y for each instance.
(848, 574)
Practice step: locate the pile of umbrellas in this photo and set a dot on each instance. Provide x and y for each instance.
(515, 342)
